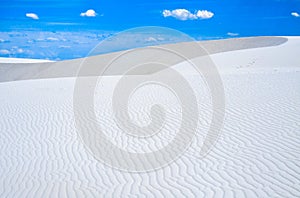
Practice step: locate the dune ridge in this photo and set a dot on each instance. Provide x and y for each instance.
(69, 68)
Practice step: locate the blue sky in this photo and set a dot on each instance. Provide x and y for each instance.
(30, 27)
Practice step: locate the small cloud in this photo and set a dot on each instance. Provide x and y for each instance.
(4, 52)
(52, 39)
(4, 41)
(232, 34)
(204, 14)
(64, 46)
(32, 15)
(183, 14)
(30, 41)
(20, 51)
(89, 13)
(150, 39)
(295, 14)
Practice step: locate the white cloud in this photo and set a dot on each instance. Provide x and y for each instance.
(232, 34)
(154, 39)
(150, 39)
(204, 14)
(4, 41)
(32, 15)
(4, 51)
(20, 51)
(64, 46)
(167, 13)
(295, 14)
(52, 39)
(183, 14)
(89, 13)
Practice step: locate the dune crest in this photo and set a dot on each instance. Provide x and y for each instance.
(69, 68)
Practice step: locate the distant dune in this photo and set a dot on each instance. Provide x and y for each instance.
(22, 71)
(255, 155)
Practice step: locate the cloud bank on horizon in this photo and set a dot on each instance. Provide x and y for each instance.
(63, 45)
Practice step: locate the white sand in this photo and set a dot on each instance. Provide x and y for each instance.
(257, 154)
(22, 60)
(69, 68)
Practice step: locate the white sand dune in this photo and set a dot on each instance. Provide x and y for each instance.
(256, 155)
(69, 68)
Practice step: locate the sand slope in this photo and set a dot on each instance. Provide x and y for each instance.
(257, 154)
(69, 68)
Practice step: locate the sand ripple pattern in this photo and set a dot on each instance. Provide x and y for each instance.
(256, 156)
(134, 66)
